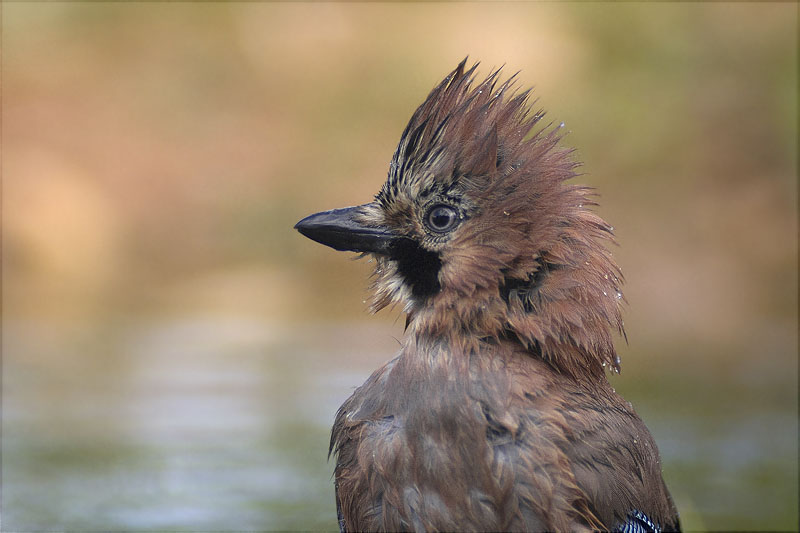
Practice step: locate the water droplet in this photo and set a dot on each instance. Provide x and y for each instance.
(605, 276)
(561, 125)
(619, 295)
(605, 293)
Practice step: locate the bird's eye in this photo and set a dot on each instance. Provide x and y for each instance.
(441, 218)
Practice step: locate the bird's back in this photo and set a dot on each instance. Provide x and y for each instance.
(490, 437)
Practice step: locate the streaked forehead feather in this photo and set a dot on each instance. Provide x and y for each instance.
(456, 129)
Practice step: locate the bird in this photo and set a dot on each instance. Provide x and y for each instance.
(497, 413)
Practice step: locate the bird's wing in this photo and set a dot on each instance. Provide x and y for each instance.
(637, 522)
(616, 462)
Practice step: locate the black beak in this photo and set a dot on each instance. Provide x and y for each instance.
(340, 230)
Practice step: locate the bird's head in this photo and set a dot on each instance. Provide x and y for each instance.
(477, 234)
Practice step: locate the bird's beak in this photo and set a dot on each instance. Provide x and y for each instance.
(341, 230)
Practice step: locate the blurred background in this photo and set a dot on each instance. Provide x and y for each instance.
(174, 352)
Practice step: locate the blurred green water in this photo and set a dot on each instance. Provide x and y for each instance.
(191, 428)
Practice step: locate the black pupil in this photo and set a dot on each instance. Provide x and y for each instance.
(442, 217)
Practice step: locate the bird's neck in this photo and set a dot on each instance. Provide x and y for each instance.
(568, 329)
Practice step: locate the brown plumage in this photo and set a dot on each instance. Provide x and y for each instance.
(497, 413)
